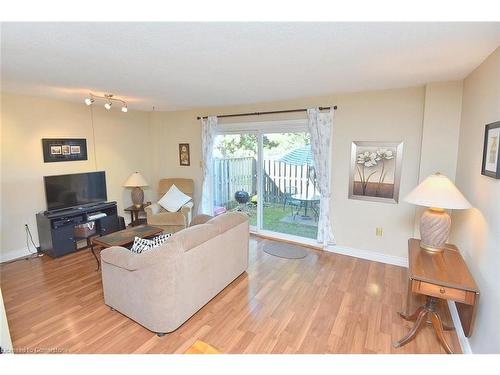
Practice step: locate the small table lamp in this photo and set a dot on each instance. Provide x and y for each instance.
(438, 193)
(136, 181)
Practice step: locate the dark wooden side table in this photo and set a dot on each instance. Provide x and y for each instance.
(135, 220)
(442, 275)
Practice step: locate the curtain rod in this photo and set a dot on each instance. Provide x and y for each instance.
(268, 113)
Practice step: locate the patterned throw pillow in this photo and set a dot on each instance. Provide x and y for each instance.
(160, 240)
(142, 244)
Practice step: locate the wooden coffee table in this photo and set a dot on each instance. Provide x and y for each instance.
(123, 238)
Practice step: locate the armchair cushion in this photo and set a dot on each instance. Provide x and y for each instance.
(174, 199)
(153, 209)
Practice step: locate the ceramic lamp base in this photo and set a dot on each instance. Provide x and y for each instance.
(435, 226)
(137, 196)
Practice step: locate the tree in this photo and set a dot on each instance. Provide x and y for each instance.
(241, 145)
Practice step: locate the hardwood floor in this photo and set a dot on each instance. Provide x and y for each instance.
(324, 303)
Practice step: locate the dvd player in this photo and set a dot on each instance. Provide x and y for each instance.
(96, 215)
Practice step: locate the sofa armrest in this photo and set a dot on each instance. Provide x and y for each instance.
(187, 211)
(153, 209)
(124, 258)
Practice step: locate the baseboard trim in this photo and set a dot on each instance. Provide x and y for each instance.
(286, 238)
(14, 254)
(463, 340)
(369, 255)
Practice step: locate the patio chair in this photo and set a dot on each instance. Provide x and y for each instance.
(294, 204)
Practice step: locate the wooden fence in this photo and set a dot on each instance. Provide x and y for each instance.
(232, 175)
(280, 179)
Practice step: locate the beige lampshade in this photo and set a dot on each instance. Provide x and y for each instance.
(135, 180)
(438, 191)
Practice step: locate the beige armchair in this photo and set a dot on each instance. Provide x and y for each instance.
(171, 222)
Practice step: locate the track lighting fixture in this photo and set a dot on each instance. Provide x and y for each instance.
(109, 99)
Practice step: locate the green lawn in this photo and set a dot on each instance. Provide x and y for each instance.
(273, 213)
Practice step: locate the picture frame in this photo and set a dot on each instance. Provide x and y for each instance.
(64, 149)
(375, 171)
(184, 155)
(76, 149)
(55, 150)
(491, 151)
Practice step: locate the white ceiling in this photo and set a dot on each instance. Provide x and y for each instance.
(187, 65)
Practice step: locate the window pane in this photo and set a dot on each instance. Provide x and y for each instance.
(235, 174)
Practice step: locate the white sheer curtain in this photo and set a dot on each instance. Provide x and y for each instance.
(208, 130)
(320, 126)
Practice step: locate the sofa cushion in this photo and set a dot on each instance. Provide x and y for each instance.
(200, 219)
(191, 237)
(228, 220)
(174, 199)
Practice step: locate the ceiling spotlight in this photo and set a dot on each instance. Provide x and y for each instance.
(108, 105)
(89, 101)
(124, 108)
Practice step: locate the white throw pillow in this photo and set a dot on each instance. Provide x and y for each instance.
(173, 199)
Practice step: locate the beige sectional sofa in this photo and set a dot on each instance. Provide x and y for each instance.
(163, 287)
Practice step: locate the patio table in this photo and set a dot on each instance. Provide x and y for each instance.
(307, 199)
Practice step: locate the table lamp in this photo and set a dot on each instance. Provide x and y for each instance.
(438, 193)
(136, 181)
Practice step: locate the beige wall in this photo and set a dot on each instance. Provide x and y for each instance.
(442, 112)
(389, 115)
(121, 148)
(477, 231)
(440, 130)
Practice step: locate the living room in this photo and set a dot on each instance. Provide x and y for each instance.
(299, 222)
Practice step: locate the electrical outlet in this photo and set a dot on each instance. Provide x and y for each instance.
(378, 231)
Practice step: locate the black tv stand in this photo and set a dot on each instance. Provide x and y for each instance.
(56, 229)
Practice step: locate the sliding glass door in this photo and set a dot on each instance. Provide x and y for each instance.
(290, 199)
(266, 171)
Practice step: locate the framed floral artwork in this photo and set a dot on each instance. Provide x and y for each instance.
(375, 171)
(491, 151)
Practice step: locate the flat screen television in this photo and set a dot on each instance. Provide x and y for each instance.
(73, 190)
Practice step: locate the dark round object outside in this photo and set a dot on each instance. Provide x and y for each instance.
(241, 196)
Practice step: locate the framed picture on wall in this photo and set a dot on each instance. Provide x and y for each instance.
(491, 153)
(184, 157)
(64, 149)
(375, 172)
